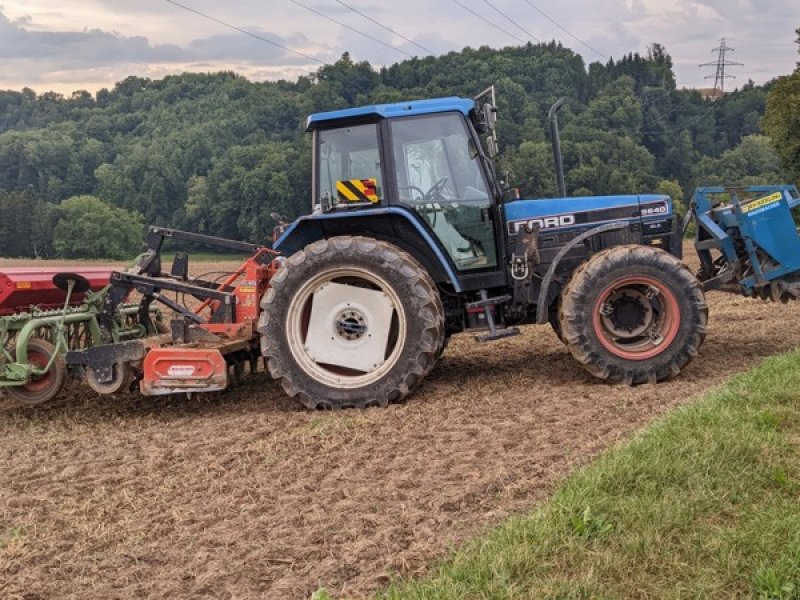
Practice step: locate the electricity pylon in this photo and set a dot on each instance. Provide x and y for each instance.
(720, 64)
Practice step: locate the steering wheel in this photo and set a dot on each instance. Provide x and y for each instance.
(413, 188)
(436, 189)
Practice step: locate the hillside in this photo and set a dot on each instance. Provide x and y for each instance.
(217, 153)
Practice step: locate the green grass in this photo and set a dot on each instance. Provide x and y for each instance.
(703, 504)
(11, 535)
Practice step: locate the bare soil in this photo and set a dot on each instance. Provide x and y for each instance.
(246, 495)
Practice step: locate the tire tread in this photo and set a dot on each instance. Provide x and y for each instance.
(575, 318)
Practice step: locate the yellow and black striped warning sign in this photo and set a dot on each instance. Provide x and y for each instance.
(357, 190)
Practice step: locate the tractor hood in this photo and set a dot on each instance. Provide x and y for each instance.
(584, 211)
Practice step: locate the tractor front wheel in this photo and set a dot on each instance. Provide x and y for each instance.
(351, 322)
(553, 316)
(633, 314)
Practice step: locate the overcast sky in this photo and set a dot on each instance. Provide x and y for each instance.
(90, 44)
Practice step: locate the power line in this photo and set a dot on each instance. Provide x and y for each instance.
(244, 31)
(553, 21)
(353, 29)
(488, 22)
(389, 29)
(697, 119)
(512, 21)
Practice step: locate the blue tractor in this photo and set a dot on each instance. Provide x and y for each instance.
(412, 237)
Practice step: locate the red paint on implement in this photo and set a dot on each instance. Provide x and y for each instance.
(668, 327)
(180, 369)
(22, 287)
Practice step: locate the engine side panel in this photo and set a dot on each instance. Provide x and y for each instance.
(561, 219)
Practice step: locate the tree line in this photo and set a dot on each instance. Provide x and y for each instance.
(217, 154)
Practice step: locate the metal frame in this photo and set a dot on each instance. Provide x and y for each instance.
(69, 329)
(716, 220)
(147, 278)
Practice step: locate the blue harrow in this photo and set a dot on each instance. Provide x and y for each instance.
(747, 240)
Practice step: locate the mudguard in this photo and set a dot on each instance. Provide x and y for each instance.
(393, 224)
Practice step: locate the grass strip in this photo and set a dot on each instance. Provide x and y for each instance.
(703, 503)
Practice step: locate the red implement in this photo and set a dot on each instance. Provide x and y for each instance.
(179, 369)
(21, 287)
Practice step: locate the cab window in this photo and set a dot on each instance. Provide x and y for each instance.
(345, 154)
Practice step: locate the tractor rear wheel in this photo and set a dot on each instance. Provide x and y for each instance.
(41, 388)
(633, 314)
(351, 322)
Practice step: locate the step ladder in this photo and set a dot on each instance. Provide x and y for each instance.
(486, 303)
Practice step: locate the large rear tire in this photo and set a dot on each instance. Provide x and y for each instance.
(633, 314)
(351, 322)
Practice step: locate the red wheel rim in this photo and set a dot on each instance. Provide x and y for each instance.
(39, 382)
(659, 314)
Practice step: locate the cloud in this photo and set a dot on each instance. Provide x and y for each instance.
(61, 57)
(44, 42)
(239, 47)
(81, 48)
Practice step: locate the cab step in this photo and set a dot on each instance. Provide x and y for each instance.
(486, 303)
(498, 334)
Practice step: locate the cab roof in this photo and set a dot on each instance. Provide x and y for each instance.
(396, 109)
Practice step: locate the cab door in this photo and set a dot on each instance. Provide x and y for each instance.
(438, 174)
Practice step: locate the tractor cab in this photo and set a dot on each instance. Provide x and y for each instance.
(423, 157)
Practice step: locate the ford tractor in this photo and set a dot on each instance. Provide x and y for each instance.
(412, 237)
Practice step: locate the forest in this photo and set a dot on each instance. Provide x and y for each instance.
(80, 176)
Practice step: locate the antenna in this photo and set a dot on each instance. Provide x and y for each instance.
(719, 77)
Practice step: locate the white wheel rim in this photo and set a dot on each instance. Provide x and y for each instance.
(298, 326)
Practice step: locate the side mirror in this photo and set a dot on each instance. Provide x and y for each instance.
(490, 116)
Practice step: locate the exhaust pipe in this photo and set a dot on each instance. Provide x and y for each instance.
(552, 116)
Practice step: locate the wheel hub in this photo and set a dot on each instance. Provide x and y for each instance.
(351, 325)
(348, 327)
(627, 313)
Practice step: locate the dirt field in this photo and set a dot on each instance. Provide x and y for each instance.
(245, 495)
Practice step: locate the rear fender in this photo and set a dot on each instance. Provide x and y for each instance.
(393, 224)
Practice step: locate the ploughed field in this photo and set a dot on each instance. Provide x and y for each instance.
(247, 495)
